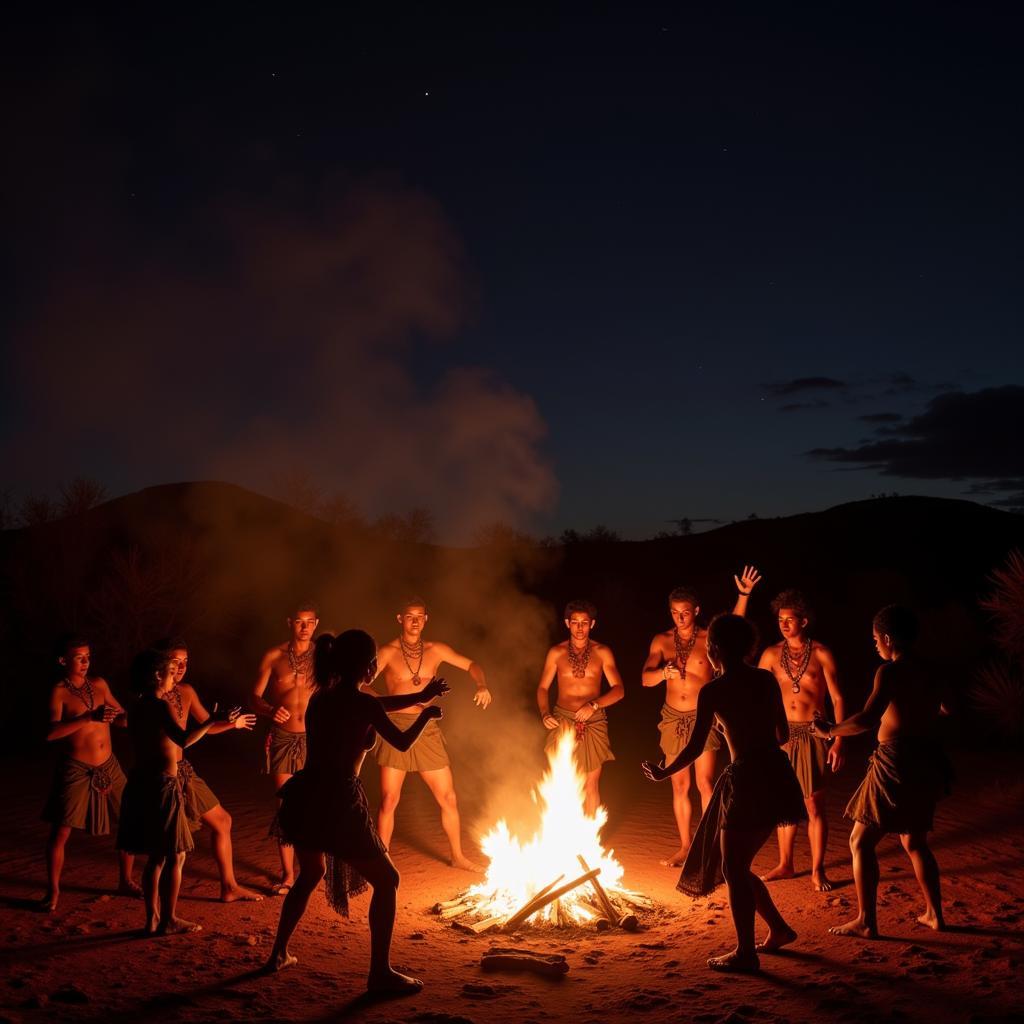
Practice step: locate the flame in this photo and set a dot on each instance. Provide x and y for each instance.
(518, 871)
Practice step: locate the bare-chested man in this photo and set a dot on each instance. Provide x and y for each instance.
(406, 665)
(201, 805)
(579, 664)
(679, 658)
(281, 694)
(805, 670)
(154, 821)
(906, 774)
(89, 782)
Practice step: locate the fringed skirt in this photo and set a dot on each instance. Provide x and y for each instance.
(330, 815)
(752, 795)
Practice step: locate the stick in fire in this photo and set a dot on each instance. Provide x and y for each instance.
(579, 664)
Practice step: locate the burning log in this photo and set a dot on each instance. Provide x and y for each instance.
(448, 904)
(606, 904)
(552, 965)
(542, 899)
(488, 924)
(456, 911)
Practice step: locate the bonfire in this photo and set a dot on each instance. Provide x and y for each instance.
(562, 876)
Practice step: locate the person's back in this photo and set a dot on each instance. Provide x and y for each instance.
(746, 700)
(339, 731)
(155, 751)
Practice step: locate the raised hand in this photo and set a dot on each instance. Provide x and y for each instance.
(227, 715)
(432, 712)
(745, 584)
(104, 713)
(281, 715)
(437, 687)
(672, 669)
(246, 721)
(654, 772)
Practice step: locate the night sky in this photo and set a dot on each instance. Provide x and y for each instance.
(619, 268)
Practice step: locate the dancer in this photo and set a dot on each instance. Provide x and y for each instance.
(405, 664)
(579, 664)
(281, 695)
(678, 658)
(805, 669)
(906, 774)
(201, 804)
(323, 808)
(153, 820)
(88, 783)
(755, 794)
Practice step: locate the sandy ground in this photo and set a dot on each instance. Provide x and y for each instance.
(87, 961)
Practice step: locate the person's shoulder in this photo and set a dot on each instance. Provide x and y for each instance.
(556, 649)
(390, 645)
(276, 652)
(187, 690)
(603, 649)
(820, 649)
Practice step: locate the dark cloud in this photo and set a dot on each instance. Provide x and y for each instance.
(803, 384)
(881, 417)
(959, 437)
(802, 406)
(902, 384)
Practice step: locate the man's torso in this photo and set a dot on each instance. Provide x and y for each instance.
(800, 706)
(574, 691)
(289, 689)
(681, 693)
(89, 744)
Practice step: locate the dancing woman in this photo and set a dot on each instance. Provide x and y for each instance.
(324, 814)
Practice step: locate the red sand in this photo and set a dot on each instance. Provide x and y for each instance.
(86, 962)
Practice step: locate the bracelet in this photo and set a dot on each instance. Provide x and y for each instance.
(594, 705)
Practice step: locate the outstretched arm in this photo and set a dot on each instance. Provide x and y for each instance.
(547, 677)
(437, 687)
(391, 733)
(482, 697)
(695, 746)
(867, 719)
(744, 588)
(201, 715)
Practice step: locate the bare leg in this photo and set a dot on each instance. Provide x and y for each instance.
(311, 871)
(284, 852)
(151, 892)
(54, 865)
(738, 849)
(784, 869)
(592, 792)
(391, 781)
(220, 825)
(926, 870)
(383, 978)
(779, 932)
(682, 810)
(441, 784)
(704, 775)
(127, 886)
(170, 886)
(817, 834)
(863, 840)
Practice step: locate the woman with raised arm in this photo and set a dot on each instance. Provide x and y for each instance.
(324, 814)
(755, 794)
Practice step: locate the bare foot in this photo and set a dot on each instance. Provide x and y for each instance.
(282, 888)
(820, 881)
(130, 889)
(279, 961)
(463, 864)
(777, 872)
(239, 893)
(857, 928)
(932, 919)
(677, 859)
(776, 939)
(152, 925)
(178, 926)
(393, 983)
(736, 962)
(48, 904)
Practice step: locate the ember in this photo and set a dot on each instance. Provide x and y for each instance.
(562, 876)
